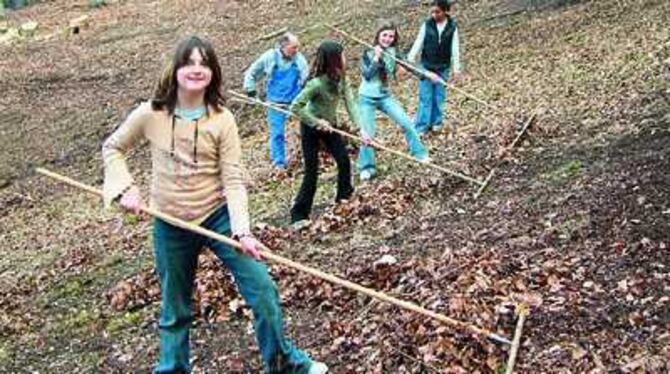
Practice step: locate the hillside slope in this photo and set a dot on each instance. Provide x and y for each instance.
(575, 222)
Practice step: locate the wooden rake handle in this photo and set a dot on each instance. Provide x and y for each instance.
(523, 312)
(243, 98)
(265, 252)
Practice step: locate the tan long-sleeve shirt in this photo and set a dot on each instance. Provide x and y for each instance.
(193, 180)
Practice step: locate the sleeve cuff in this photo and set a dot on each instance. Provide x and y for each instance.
(113, 191)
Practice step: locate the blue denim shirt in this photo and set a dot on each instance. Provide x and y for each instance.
(371, 84)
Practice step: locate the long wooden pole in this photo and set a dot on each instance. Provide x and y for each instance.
(485, 184)
(523, 130)
(244, 98)
(414, 68)
(516, 342)
(267, 254)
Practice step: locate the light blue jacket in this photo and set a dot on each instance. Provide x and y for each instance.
(265, 64)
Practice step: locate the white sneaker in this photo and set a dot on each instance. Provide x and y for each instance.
(318, 368)
(366, 175)
(302, 224)
(425, 159)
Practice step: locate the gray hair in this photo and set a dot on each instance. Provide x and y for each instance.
(286, 39)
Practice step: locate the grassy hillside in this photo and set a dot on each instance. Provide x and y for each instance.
(575, 222)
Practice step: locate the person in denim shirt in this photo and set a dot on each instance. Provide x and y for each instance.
(286, 70)
(378, 67)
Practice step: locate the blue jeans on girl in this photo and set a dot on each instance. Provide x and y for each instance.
(432, 100)
(390, 106)
(176, 252)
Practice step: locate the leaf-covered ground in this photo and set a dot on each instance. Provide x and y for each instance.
(575, 222)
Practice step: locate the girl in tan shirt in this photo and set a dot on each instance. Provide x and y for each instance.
(197, 175)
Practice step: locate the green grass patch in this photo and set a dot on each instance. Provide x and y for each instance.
(566, 172)
(82, 320)
(131, 219)
(4, 354)
(129, 319)
(96, 3)
(571, 169)
(88, 288)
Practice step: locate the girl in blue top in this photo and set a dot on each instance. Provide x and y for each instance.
(377, 69)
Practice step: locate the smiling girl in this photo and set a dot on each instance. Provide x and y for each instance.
(378, 68)
(197, 176)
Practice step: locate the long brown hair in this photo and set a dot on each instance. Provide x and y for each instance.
(165, 96)
(387, 25)
(384, 26)
(328, 61)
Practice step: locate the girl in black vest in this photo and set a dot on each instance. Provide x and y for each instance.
(438, 46)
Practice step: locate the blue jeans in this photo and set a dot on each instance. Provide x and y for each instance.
(389, 105)
(432, 100)
(277, 121)
(176, 252)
